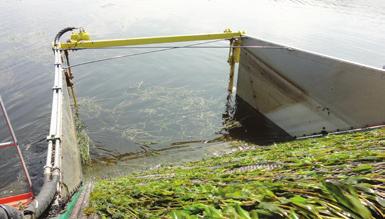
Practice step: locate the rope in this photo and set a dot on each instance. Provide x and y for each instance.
(162, 49)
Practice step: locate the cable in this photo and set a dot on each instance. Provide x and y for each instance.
(137, 54)
(166, 48)
(116, 57)
(190, 47)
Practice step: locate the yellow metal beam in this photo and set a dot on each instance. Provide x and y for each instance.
(90, 44)
(234, 56)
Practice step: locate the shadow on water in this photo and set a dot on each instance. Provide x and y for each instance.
(243, 122)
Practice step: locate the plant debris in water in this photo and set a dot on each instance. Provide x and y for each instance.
(155, 104)
(337, 176)
(83, 141)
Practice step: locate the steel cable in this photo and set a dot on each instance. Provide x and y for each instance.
(165, 48)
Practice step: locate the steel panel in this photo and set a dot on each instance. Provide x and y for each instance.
(306, 93)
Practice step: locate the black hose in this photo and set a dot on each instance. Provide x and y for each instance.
(8, 212)
(61, 32)
(42, 201)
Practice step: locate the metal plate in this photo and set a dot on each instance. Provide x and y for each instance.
(306, 93)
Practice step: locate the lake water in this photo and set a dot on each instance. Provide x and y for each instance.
(138, 110)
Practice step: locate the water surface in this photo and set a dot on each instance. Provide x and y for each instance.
(144, 104)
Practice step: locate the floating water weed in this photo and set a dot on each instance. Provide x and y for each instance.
(170, 114)
(91, 107)
(337, 176)
(83, 140)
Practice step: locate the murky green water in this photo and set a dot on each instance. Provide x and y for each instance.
(142, 105)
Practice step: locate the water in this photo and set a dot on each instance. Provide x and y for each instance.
(140, 106)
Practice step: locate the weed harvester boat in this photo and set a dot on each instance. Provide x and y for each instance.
(299, 92)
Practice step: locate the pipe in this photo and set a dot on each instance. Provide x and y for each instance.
(51, 179)
(60, 33)
(48, 165)
(8, 212)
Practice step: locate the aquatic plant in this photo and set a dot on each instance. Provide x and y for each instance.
(169, 114)
(90, 107)
(83, 140)
(336, 176)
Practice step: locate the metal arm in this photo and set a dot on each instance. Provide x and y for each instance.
(81, 40)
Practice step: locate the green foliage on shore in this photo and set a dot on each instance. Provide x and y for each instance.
(336, 176)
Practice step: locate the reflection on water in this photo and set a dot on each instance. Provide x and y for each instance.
(146, 103)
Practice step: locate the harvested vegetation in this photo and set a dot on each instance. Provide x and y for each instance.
(336, 176)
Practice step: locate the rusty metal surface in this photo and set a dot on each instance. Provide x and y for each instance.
(306, 93)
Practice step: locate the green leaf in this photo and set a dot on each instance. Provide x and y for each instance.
(350, 202)
(212, 212)
(363, 168)
(293, 215)
(298, 200)
(179, 214)
(254, 214)
(380, 201)
(271, 207)
(242, 213)
(230, 212)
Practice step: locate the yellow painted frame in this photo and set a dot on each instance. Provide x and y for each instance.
(90, 44)
(81, 40)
